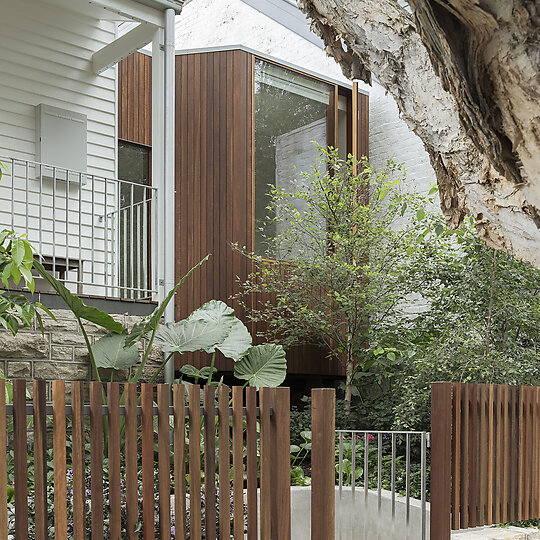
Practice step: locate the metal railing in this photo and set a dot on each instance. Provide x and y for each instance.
(388, 468)
(92, 232)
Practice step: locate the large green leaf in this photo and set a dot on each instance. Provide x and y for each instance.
(146, 325)
(263, 365)
(237, 343)
(77, 306)
(214, 310)
(109, 352)
(191, 335)
(238, 340)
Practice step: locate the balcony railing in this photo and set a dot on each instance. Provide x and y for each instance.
(92, 232)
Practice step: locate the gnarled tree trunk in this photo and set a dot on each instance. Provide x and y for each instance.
(465, 76)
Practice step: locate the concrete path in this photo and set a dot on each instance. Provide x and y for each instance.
(497, 533)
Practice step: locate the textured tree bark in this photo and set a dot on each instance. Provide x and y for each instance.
(465, 76)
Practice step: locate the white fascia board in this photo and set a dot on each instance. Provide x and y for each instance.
(288, 15)
(132, 10)
(123, 46)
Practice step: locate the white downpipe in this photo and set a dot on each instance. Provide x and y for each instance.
(158, 174)
(169, 180)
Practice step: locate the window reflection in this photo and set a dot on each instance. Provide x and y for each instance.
(291, 112)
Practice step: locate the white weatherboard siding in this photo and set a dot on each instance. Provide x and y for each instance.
(46, 57)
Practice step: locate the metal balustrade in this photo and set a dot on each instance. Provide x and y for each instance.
(92, 232)
(398, 456)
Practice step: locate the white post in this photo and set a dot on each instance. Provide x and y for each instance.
(169, 169)
(158, 174)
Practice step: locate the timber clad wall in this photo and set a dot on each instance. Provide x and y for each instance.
(135, 99)
(215, 176)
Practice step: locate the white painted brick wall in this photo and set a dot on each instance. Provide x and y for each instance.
(210, 23)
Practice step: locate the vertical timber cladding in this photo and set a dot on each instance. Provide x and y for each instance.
(135, 99)
(213, 178)
(214, 171)
(485, 460)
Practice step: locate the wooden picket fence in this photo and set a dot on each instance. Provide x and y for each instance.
(267, 461)
(485, 455)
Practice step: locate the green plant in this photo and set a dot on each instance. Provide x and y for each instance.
(213, 327)
(300, 454)
(480, 321)
(16, 263)
(346, 244)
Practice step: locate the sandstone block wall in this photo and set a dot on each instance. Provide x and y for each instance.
(60, 353)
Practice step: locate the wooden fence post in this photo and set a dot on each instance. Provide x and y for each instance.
(323, 437)
(441, 439)
(275, 464)
(282, 471)
(21, 457)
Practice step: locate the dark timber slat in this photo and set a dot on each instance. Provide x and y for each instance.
(147, 444)
(78, 459)
(164, 460)
(195, 461)
(505, 407)
(456, 454)
(59, 459)
(536, 449)
(132, 502)
(113, 402)
(40, 462)
(210, 462)
(323, 405)
(498, 458)
(514, 501)
(20, 459)
(282, 468)
(179, 462)
(464, 480)
(491, 453)
(483, 449)
(441, 474)
(96, 460)
(224, 463)
(237, 463)
(3, 463)
(251, 465)
(473, 455)
(265, 398)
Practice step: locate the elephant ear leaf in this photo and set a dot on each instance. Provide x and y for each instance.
(263, 365)
(213, 310)
(237, 343)
(110, 353)
(149, 323)
(190, 335)
(77, 306)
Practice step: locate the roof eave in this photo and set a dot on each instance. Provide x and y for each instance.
(162, 5)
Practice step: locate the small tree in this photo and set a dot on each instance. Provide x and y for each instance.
(345, 244)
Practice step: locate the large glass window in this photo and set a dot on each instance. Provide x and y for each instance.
(291, 113)
(133, 218)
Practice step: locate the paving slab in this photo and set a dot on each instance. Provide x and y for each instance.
(497, 533)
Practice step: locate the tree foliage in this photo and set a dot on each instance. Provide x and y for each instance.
(347, 238)
(480, 323)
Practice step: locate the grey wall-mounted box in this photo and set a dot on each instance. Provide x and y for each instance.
(61, 141)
